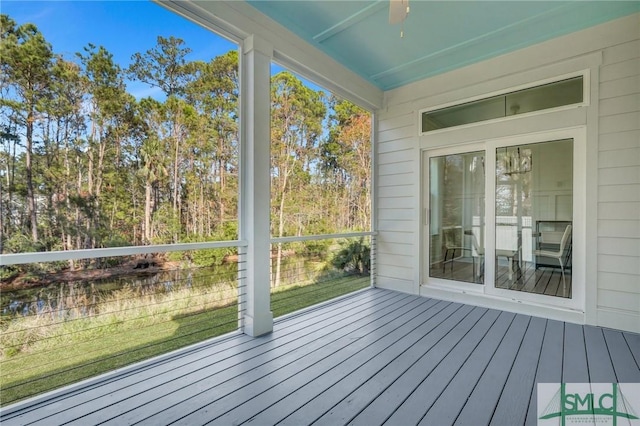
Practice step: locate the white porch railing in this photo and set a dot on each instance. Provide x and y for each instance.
(71, 330)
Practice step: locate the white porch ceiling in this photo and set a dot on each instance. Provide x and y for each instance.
(439, 36)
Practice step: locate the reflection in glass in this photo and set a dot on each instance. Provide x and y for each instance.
(546, 96)
(456, 218)
(551, 95)
(534, 210)
(471, 112)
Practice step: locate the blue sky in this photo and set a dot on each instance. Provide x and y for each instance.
(122, 27)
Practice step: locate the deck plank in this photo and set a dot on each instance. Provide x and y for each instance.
(375, 370)
(351, 403)
(633, 341)
(408, 350)
(549, 368)
(517, 392)
(316, 396)
(574, 364)
(394, 395)
(598, 358)
(479, 407)
(360, 348)
(624, 363)
(373, 357)
(433, 385)
(448, 405)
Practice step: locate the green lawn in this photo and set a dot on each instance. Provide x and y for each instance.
(83, 349)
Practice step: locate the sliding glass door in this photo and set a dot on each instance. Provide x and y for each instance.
(456, 216)
(499, 218)
(534, 217)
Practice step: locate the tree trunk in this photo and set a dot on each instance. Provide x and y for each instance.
(276, 281)
(1, 220)
(11, 169)
(176, 169)
(147, 212)
(31, 198)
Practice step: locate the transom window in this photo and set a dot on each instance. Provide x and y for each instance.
(552, 95)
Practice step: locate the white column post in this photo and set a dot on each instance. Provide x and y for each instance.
(255, 164)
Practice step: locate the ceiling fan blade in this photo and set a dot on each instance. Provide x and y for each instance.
(398, 11)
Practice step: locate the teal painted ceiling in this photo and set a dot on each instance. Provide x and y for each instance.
(439, 36)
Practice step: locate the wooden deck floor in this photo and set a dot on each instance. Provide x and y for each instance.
(374, 357)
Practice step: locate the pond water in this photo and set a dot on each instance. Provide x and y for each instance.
(68, 294)
(86, 293)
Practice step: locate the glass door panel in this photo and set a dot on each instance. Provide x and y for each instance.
(456, 217)
(534, 217)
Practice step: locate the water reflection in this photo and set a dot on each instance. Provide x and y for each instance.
(80, 298)
(70, 299)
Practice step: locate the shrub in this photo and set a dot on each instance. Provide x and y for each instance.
(353, 256)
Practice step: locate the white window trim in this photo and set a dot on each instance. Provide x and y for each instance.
(586, 84)
(488, 295)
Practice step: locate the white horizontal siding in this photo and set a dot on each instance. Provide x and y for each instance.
(396, 226)
(619, 122)
(619, 211)
(398, 260)
(621, 52)
(396, 145)
(395, 116)
(400, 249)
(619, 264)
(394, 237)
(393, 157)
(619, 140)
(621, 300)
(395, 135)
(396, 183)
(395, 122)
(621, 87)
(395, 169)
(393, 191)
(396, 214)
(396, 284)
(619, 247)
(396, 202)
(618, 298)
(620, 105)
(620, 157)
(619, 282)
(618, 70)
(396, 179)
(619, 229)
(394, 271)
(631, 175)
(620, 193)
